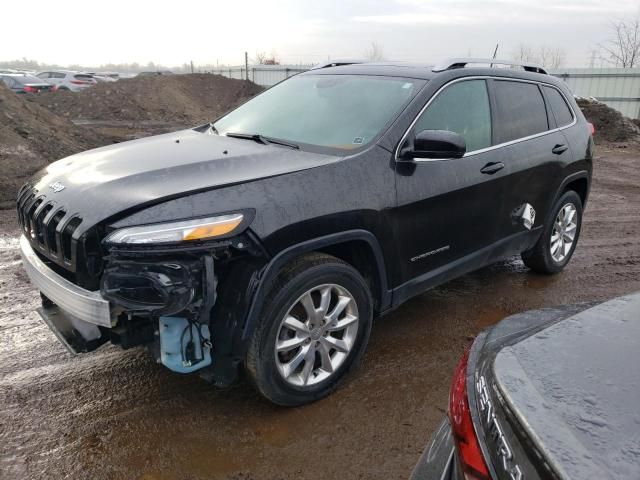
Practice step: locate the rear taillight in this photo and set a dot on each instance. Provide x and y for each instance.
(592, 129)
(469, 453)
(82, 82)
(29, 89)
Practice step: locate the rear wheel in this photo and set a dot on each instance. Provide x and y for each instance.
(559, 237)
(314, 330)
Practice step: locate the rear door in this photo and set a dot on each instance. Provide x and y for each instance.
(448, 209)
(45, 77)
(533, 151)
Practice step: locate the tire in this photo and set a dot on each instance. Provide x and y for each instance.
(320, 365)
(547, 256)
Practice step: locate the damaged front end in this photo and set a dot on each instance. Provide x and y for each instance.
(163, 302)
(164, 296)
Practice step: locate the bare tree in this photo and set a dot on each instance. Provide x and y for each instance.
(374, 52)
(623, 48)
(260, 58)
(551, 57)
(525, 53)
(263, 58)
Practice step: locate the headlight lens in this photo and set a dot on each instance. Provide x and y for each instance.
(198, 229)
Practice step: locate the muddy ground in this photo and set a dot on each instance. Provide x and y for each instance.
(116, 414)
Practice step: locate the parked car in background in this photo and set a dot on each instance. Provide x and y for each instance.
(104, 77)
(21, 83)
(151, 74)
(550, 393)
(68, 80)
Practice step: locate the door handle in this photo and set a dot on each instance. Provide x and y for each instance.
(559, 149)
(492, 167)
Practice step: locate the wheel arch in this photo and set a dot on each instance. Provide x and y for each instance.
(360, 248)
(579, 185)
(579, 181)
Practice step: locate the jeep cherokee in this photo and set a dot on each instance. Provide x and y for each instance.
(268, 240)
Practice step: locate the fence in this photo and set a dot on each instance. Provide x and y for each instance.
(617, 87)
(265, 75)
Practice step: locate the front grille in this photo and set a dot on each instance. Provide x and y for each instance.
(48, 227)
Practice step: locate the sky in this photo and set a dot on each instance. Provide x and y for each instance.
(300, 31)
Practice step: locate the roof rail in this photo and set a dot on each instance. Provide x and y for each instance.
(336, 63)
(452, 63)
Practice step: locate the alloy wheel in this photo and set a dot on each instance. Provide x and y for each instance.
(316, 335)
(564, 232)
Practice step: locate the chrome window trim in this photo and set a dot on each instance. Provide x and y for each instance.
(492, 147)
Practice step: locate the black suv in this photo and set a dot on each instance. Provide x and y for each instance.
(269, 239)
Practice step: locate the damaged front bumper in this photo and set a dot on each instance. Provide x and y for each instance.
(168, 300)
(73, 313)
(83, 320)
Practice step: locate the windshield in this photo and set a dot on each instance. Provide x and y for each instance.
(338, 111)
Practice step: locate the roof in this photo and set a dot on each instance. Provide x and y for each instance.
(456, 67)
(390, 69)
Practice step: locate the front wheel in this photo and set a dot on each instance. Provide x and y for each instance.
(559, 236)
(314, 329)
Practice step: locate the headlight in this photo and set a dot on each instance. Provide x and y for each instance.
(198, 229)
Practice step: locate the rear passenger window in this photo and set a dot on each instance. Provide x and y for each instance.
(521, 110)
(559, 107)
(462, 108)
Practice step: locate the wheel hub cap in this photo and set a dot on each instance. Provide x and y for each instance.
(564, 231)
(316, 335)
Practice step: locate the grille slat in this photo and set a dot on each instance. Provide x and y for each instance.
(48, 227)
(31, 217)
(51, 224)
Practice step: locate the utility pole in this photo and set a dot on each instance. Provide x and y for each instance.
(246, 65)
(191, 66)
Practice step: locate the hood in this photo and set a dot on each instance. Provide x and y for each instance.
(575, 387)
(100, 183)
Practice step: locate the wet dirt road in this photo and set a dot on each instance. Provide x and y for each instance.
(116, 414)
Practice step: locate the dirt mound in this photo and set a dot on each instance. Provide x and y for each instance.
(610, 124)
(179, 99)
(31, 137)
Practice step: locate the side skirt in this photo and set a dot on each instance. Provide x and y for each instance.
(506, 247)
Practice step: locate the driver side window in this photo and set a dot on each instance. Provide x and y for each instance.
(462, 108)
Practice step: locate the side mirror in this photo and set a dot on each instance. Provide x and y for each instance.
(436, 144)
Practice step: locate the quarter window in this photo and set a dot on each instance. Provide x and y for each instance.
(521, 110)
(462, 108)
(559, 107)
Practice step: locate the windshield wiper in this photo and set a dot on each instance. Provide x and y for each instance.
(256, 137)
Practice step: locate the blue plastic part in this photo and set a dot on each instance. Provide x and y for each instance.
(174, 337)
